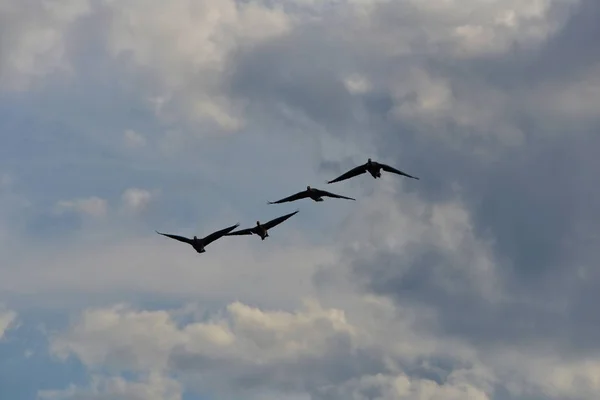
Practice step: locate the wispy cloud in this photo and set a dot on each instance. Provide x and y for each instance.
(133, 139)
(7, 320)
(136, 199)
(93, 206)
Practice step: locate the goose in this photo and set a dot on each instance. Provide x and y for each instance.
(200, 244)
(372, 167)
(313, 193)
(262, 229)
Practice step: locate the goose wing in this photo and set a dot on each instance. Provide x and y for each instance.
(335, 196)
(274, 222)
(396, 171)
(361, 169)
(176, 237)
(216, 235)
(297, 196)
(247, 231)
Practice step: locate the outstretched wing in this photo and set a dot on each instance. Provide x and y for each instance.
(247, 231)
(395, 171)
(215, 235)
(361, 169)
(336, 196)
(297, 196)
(278, 220)
(176, 237)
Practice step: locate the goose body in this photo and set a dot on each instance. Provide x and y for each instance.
(199, 244)
(372, 167)
(262, 230)
(310, 193)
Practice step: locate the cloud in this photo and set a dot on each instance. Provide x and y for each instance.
(477, 281)
(135, 199)
(189, 77)
(185, 81)
(7, 319)
(313, 350)
(92, 206)
(152, 387)
(162, 268)
(372, 350)
(34, 36)
(133, 139)
(241, 338)
(529, 198)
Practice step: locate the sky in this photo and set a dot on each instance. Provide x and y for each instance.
(478, 281)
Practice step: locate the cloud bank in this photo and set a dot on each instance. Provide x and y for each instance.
(476, 282)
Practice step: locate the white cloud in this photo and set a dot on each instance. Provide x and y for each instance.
(185, 45)
(249, 350)
(386, 224)
(357, 84)
(133, 139)
(33, 38)
(7, 320)
(530, 373)
(397, 387)
(430, 101)
(366, 350)
(151, 387)
(246, 334)
(182, 45)
(474, 27)
(135, 199)
(92, 206)
(290, 352)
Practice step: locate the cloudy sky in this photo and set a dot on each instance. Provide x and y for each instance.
(479, 281)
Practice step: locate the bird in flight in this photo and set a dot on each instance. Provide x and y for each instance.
(200, 244)
(262, 229)
(312, 193)
(372, 167)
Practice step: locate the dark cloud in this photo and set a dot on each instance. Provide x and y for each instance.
(282, 72)
(537, 201)
(420, 278)
(534, 196)
(573, 49)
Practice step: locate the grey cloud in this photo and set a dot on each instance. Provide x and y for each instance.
(416, 279)
(310, 374)
(538, 201)
(283, 71)
(535, 196)
(313, 355)
(33, 38)
(322, 376)
(573, 49)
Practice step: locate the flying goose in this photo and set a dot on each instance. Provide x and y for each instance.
(315, 194)
(372, 167)
(262, 229)
(200, 244)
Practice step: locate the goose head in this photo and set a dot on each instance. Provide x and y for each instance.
(308, 188)
(257, 223)
(369, 161)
